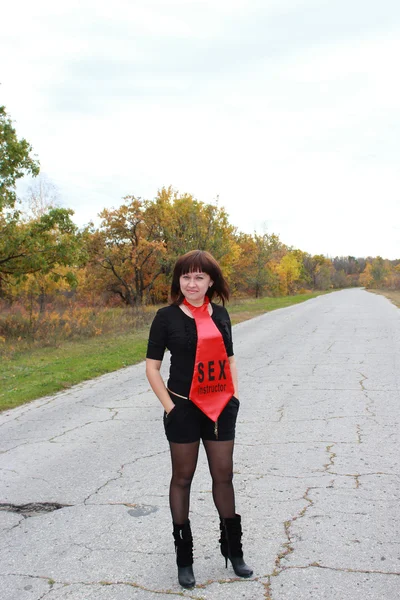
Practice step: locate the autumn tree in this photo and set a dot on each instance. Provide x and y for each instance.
(379, 271)
(366, 277)
(253, 271)
(318, 269)
(340, 279)
(137, 244)
(129, 250)
(347, 271)
(185, 223)
(395, 275)
(289, 270)
(243, 277)
(305, 261)
(323, 274)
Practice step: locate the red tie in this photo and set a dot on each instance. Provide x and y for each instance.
(212, 385)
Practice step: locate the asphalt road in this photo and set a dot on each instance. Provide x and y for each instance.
(316, 472)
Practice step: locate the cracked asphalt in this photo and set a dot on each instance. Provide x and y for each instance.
(316, 472)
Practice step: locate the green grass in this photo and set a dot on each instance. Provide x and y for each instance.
(42, 371)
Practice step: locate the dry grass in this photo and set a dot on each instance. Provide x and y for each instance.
(22, 330)
(392, 295)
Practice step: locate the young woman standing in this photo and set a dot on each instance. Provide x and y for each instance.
(200, 400)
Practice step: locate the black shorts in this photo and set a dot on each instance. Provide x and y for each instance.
(186, 423)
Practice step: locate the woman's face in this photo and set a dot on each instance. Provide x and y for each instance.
(194, 286)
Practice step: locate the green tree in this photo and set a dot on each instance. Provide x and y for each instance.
(15, 160)
(44, 241)
(37, 245)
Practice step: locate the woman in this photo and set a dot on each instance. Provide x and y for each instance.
(200, 400)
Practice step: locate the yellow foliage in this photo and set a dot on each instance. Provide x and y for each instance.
(366, 277)
(288, 270)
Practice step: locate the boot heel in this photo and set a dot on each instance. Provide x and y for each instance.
(231, 546)
(240, 567)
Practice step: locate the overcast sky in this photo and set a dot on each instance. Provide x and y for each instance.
(286, 110)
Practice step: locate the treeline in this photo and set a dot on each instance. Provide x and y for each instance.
(128, 259)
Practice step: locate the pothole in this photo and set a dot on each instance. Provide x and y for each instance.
(33, 508)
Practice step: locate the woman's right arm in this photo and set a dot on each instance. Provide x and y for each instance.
(157, 383)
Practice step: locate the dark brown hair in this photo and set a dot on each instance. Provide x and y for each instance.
(203, 262)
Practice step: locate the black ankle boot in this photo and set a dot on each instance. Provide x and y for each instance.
(184, 554)
(231, 546)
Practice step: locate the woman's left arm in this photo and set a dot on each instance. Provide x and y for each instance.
(232, 364)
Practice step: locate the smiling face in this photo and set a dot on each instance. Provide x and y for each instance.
(194, 286)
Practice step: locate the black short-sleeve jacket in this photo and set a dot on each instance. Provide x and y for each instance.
(175, 331)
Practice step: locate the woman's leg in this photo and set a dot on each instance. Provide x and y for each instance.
(220, 461)
(184, 461)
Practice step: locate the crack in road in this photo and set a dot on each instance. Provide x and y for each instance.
(361, 382)
(47, 593)
(369, 407)
(287, 546)
(280, 411)
(331, 456)
(120, 473)
(317, 565)
(356, 476)
(29, 409)
(21, 445)
(267, 587)
(51, 440)
(7, 529)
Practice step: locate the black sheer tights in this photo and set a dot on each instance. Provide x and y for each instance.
(184, 461)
